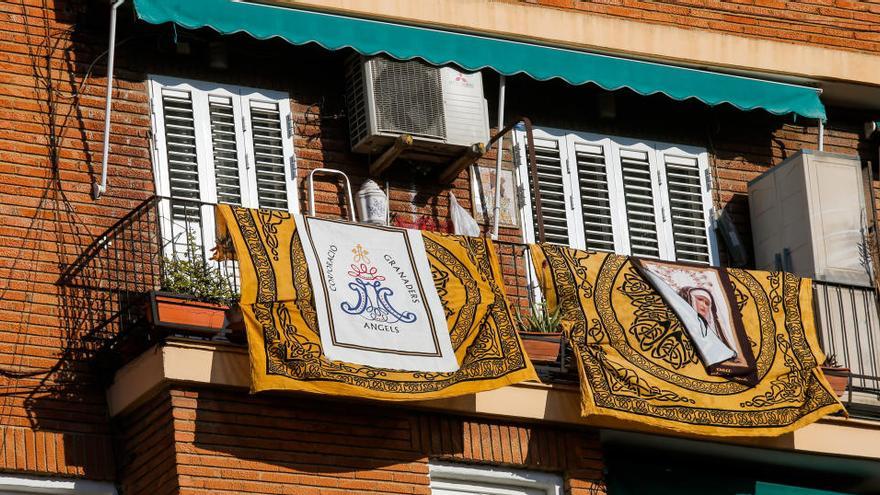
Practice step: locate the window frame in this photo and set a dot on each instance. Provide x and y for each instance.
(449, 476)
(11, 484)
(657, 151)
(241, 97)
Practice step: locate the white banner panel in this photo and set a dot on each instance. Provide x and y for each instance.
(375, 296)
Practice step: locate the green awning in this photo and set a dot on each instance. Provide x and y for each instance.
(471, 52)
(762, 488)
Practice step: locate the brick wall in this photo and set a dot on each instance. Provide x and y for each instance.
(146, 439)
(850, 25)
(229, 441)
(52, 409)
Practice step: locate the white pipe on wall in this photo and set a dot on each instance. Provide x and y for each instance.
(821, 135)
(100, 188)
(499, 151)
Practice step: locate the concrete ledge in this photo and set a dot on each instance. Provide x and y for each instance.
(217, 364)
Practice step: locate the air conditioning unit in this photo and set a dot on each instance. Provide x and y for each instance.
(808, 217)
(442, 108)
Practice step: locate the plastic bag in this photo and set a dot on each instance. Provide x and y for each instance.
(462, 221)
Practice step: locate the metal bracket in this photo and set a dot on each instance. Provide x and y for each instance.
(468, 158)
(402, 142)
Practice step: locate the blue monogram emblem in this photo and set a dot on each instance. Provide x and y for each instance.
(373, 300)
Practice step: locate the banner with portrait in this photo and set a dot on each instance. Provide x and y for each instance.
(639, 367)
(703, 300)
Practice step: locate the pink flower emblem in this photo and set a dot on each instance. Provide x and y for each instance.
(364, 272)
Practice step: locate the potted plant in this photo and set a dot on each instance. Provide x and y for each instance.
(541, 333)
(194, 295)
(837, 375)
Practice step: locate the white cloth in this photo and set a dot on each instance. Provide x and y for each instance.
(375, 296)
(462, 221)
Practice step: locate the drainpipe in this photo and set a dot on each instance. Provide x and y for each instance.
(499, 150)
(821, 135)
(99, 189)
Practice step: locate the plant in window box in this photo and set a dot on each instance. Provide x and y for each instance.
(540, 332)
(836, 374)
(194, 295)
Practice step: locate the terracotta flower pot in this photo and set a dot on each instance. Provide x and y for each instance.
(542, 348)
(185, 314)
(837, 377)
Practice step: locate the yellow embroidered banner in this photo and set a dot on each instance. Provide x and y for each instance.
(284, 340)
(639, 370)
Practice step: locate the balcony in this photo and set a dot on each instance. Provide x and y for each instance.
(116, 289)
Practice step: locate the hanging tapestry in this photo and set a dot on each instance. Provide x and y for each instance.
(375, 296)
(639, 369)
(284, 335)
(702, 299)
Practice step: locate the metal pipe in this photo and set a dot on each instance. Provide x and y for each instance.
(99, 189)
(531, 163)
(821, 135)
(499, 151)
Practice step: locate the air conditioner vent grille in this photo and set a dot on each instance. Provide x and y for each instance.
(358, 120)
(409, 98)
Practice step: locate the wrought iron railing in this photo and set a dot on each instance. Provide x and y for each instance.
(849, 327)
(106, 288)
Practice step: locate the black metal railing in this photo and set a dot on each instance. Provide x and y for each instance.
(106, 290)
(849, 328)
(107, 287)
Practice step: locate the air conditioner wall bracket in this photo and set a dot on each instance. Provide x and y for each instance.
(466, 159)
(382, 163)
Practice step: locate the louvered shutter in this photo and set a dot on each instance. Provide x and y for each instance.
(182, 216)
(593, 189)
(267, 138)
(640, 201)
(224, 141)
(549, 157)
(181, 151)
(687, 207)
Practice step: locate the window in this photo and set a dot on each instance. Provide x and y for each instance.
(11, 484)
(218, 144)
(456, 479)
(647, 199)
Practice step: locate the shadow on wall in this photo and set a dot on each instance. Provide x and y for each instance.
(51, 384)
(359, 442)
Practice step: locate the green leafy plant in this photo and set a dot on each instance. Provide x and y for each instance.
(192, 275)
(540, 319)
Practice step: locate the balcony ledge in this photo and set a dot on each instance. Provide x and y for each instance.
(226, 365)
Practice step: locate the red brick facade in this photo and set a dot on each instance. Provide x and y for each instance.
(225, 441)
(851, 25)
(52, 410)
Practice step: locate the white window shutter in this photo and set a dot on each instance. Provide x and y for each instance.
(182, 148)
(224, 142)
(217, 144)
(266, 142)
(180, 144)
(639, 191)
(688, 205)
(596, 209)
(553, 185)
